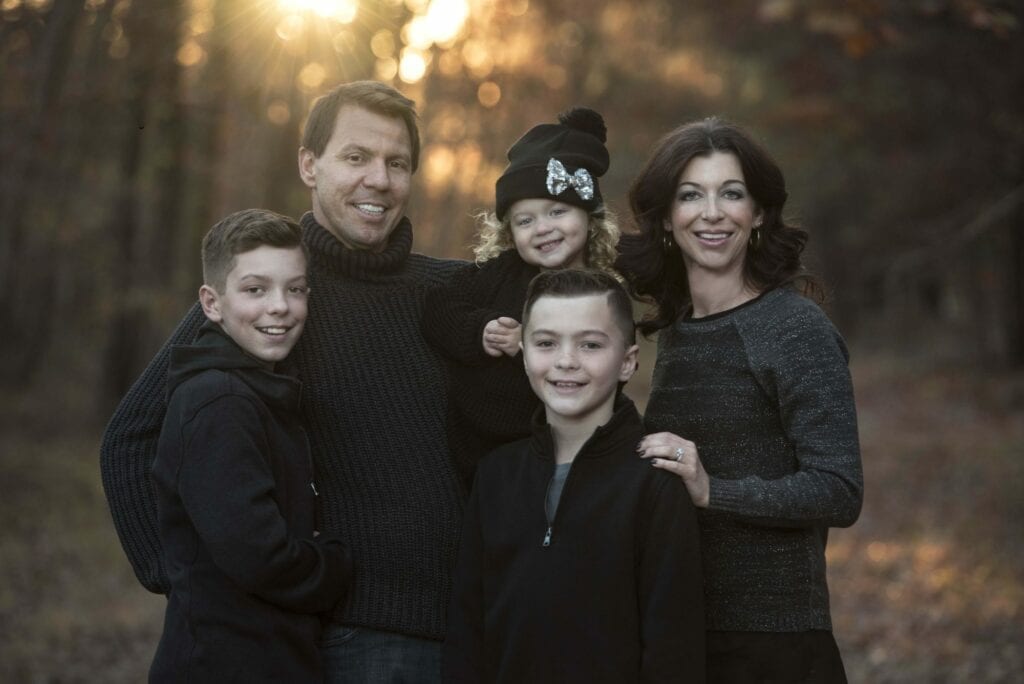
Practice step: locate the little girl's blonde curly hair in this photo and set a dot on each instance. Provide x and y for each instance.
(600, 252)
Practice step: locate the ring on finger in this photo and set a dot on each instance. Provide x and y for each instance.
(679, 454)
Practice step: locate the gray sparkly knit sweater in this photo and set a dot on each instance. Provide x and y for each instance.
(764, 392)
(374, 405)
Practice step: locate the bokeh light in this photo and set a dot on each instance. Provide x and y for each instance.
(312, 76)
(279, 113)
(438, 23)
(383, 44)
(413, 65)
(478, 58)
(190, 54)
(445, 19)
(416, 34)
(489, 94)
(439, 165)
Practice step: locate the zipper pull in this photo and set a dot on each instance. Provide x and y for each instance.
(547, 538)
(313, 487)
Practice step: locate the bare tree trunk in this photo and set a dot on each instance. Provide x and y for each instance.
(30, 287)
(149, 34)
(206, 145)
(1015, 314)
(160, 257)
(76, 304)
(37, 130)
(282, 167)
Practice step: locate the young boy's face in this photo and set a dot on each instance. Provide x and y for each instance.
(263, 305)
(575, 357)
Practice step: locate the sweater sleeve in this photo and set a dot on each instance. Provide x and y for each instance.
(126, 456)
(671, 586)
(803, 364)
(227, 487)
(463, 650)
(454, 317)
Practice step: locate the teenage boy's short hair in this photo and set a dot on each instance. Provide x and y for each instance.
(375, 96)
(572, 282)
(244, 231)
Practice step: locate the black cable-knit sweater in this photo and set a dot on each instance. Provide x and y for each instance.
(374, 407)
(490, 398)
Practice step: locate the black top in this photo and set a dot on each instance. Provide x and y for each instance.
(610, 591)
(236, 507)
(374, 398)
(490, 399)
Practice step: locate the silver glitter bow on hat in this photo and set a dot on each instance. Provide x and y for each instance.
(559, 179)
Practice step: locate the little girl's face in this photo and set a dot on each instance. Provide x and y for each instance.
(549, 234)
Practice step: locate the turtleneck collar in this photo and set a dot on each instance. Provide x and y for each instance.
(622, 431)
(328, 251)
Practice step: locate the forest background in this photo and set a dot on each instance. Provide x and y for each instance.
(127, 128)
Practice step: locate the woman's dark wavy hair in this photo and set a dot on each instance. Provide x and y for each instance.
(655, 272)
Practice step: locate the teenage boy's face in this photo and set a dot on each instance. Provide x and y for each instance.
(575, 356)
(263, 305)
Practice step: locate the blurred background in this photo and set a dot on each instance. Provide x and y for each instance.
(128, 127)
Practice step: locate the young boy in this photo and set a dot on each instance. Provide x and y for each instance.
(233, 474)
(579, 562)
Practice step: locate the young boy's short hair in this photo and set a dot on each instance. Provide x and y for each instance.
(241, 232)
(581, 283)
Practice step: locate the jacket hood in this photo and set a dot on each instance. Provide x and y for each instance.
(214, 349)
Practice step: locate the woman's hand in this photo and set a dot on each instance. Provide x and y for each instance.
(677, 455)
(502, 336)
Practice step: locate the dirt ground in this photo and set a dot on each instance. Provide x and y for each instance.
(926, 587)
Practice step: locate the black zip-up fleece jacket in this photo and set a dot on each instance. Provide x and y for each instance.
(609, 590)
(236, 511)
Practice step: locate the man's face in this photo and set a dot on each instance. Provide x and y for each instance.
(361, 181)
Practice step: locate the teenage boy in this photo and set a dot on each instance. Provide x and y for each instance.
(577, 562)
(233, 474)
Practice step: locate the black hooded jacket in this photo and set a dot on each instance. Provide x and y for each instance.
(236, 502)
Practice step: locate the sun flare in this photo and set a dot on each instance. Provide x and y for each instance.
(339, 10)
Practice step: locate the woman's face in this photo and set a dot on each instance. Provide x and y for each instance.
(711, 216)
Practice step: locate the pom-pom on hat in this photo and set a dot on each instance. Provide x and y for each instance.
(560, 161)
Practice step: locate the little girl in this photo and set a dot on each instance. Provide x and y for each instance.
(548, 215)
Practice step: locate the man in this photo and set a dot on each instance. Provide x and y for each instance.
(373, 401)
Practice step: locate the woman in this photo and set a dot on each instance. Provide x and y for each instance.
(751, 401)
